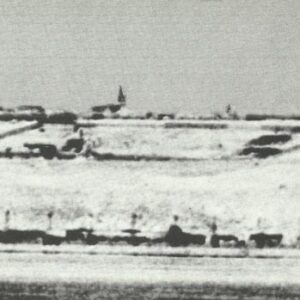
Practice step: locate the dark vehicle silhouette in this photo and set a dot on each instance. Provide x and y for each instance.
(176, 237)
(266, 240)
(14, 236)
(75, 144)
(217, 238)
(63, 117)
(48, 151)
(93, 239)
(79, 234)
(50, 239)
(130, 240)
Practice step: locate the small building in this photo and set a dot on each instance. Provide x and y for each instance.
(31, 108)
(112, 108)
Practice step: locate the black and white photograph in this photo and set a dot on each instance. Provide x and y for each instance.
(149, 149)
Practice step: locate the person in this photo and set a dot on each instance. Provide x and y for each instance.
(75, 141)
(81, 134)
(50, 216)
(175, 218)
(134, 218)
(7, 219)
(213, 226)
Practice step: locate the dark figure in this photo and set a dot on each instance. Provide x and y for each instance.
(217, 238)
(75, 144)
(7, 219)
(50, 216)
(266, 240)
(134, 218)
(76, 127)
(8, 152)
(228, 109)
(214, 226)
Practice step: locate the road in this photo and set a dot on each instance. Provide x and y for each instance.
(82, 276)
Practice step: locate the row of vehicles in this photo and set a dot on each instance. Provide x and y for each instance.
(72, 147)
(174, 237)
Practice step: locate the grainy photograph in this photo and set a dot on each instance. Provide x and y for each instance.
(149, 149)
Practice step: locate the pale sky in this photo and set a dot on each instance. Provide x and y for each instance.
(189, 55)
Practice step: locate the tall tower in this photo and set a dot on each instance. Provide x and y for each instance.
(121, 97)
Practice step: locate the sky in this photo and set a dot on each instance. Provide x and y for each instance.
(170, 55)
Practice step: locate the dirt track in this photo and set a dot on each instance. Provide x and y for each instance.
(77, 276)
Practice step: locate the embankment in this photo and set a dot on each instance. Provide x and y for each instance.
(17, 128)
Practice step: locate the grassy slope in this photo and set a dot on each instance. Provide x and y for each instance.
(236, 195)
(237, 192)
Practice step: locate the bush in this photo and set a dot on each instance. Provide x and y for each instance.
(62, 118)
